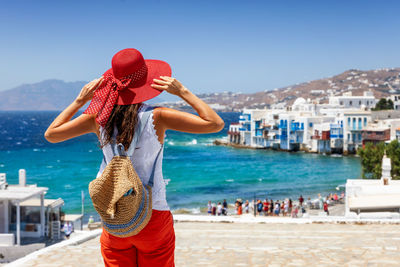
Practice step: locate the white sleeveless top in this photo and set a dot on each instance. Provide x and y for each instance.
(143, 160)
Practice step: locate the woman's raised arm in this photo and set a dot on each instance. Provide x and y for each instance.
(62, 128)
(208, 120)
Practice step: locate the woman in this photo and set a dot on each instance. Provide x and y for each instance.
(116, 107)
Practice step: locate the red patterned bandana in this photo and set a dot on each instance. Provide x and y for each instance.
(106, 95)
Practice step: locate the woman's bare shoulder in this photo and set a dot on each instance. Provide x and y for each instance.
(166, 112)
(159, 112)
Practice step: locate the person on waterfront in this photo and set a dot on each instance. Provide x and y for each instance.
(219, 209)
(277, 208)
(116, 108)
(328, 200)
(266, 207)
(224, 207)
(335, 197)
(321, 202)
(283, 208)
(326, 208)
(271, 207)
(68, 229)
(209, 208)
(303, 210)
(213, 209)
(286, 212)
(239, 208)
(246, 206)
(259, 207)
(295, 211)
(290, 205)
(301, 200)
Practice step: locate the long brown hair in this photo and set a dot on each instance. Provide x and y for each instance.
(124, 117)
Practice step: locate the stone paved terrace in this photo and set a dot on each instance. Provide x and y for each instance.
(245, 244)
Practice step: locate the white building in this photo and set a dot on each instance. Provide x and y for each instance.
(320, 141)
(391, 124)
(252, 123)
(396, 101)
(353, 123)
(347, 100)
(373, 197)
(13, 196)
(24, 212)
(259, 127)
(306, 125)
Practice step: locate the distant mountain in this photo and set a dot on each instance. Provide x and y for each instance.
(45, 95)
(50, 95)
(57, 94)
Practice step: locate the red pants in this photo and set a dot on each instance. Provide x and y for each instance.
(154, 246)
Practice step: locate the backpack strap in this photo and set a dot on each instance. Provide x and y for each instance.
(118, 149)
(151, 180)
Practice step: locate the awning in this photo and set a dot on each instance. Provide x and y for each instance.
(21, 193)
(50, 203)
(72, 217)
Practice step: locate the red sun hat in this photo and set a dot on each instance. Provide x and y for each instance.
(127, 82)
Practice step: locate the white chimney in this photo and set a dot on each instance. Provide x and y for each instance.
(22, 177)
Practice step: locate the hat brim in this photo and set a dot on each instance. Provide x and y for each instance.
(141, 91)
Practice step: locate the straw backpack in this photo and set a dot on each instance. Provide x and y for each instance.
(118, 195)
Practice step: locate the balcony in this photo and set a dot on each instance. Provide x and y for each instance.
(383, 135)
(336, 131)
(325, 135)
(244, 117)
(233, 133)
(296, 126)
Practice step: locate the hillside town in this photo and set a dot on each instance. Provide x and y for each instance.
(381, 82)
(340, 126)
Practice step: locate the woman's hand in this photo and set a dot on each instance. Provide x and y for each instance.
(207, 122)
(88, 90)
(169, 84)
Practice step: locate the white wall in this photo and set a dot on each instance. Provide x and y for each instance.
(4, 216)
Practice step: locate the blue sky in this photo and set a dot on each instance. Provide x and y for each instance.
(212, 46)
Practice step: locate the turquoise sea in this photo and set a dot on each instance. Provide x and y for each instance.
(198, 171)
